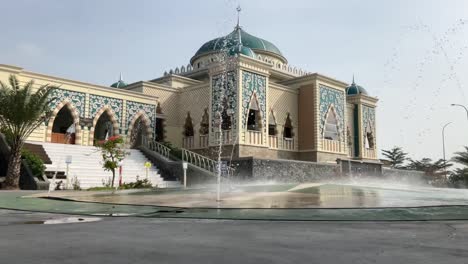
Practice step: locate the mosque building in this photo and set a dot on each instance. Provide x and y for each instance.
(238, 89)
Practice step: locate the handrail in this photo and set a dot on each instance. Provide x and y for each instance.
(201, 161)
(188, 156)
(159, 148)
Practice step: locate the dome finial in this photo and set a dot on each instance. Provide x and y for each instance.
(120, 77)
(238, 9)
(353, 80)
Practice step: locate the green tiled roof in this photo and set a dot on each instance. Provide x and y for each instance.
(233, 39)
(119, 84)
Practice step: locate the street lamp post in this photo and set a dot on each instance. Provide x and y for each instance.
(466, 109)
(443, 148)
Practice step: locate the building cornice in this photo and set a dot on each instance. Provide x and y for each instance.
(310, 78)
(283, 88)
(63, 81)
(175, 77)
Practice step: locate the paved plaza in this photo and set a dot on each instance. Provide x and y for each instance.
(150, 240)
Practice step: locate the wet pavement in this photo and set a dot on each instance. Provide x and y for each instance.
(311, 195)
(309, 202)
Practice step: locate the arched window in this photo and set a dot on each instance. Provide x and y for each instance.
(226, 123)
(205, 123)
(254, 118)
(369, 138)
(188, 127)
(331, 126)
(288, 128)
(272, 125)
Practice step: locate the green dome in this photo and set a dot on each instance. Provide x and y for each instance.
(355, 89)
(119, 84)
(236, 37)
(241, 49)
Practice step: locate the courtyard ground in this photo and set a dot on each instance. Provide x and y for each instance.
(151, 240)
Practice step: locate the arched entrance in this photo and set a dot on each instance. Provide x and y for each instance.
(64, 125)
(139, 130)
(105, 125)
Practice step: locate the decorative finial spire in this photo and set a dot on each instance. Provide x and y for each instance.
(120, 78)
(238, 15)
(353, 80)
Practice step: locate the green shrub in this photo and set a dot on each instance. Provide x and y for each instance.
(176, 153)
(138, 184)
(34, 162)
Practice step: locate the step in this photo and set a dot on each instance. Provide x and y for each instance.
(87, 167)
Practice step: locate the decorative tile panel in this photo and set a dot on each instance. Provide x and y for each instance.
(97, 102)
(368, 119)
(336, 98)
(253, 83)
(224, 86)
(76, 98)
(134, 107)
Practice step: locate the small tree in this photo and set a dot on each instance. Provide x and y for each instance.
(461, 157)
(21, 112)
(436, 171)
(112, 154)
(459, 177)
(396, 156)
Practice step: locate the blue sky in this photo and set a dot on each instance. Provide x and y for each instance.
(413, 55)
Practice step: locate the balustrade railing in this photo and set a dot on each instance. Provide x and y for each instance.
(288, 144)
(331, 145)
(273, 142)
(253, 137)
(225, 138)
(159, 148)
(369, 153)
(188, 142)
(203, 143)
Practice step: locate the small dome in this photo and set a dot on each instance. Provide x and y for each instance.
(241, 49)
(355, 89)
(119, 84)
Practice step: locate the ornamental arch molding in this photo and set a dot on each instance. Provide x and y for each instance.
(144, 118)
(115, 123)
(76, 120)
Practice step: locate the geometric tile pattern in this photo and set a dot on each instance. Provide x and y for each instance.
(332, 99)
(368, 119)
(134, 107)
(77, 99)
(253, 84)
(224, 88)
(97, 102)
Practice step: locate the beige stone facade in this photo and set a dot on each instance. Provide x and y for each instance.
(245, 95)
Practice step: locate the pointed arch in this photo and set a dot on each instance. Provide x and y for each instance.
(331, 128)
(369, 138)
(188, 126)
(140, 114)
(288, 128)
(272, 124)
(75, 116)
(115, 123)
(205, 123)
(254, 114)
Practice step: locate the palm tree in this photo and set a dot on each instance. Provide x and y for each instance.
(396, 157)
(21, 112)
(461, 157)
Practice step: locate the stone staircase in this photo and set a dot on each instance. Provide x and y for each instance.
(86, 166)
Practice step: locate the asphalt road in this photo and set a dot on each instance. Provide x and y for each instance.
(150, 240)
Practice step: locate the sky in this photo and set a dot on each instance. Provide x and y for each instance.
(411, 54)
